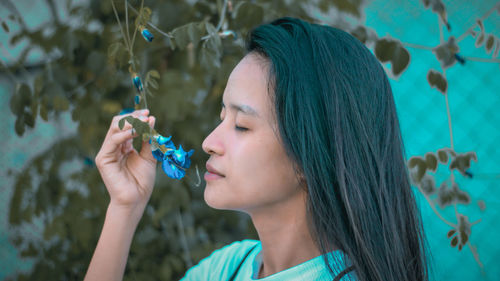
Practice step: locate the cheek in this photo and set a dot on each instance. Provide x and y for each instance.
(265, 173)
(259, 174)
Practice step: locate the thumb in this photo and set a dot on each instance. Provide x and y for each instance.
(146, 146)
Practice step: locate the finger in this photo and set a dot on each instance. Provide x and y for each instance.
(140, 114)
(127, 146)
(146, 146)
(115, 141)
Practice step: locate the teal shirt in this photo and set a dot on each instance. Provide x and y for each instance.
(222, 263)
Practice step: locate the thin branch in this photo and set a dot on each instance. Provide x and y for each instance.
(53, 10)
(150, 24)
(417, 46)
(135, 30)
(486, 15)
(435, 210)
(221, 21)
(185, 246)
(475, 254)
(449, 118)
(223, 14)
(7, 70)
(12, 8)
(441, 36)
(126, 22)
(475, 222)
(121, 28)
(16, 62)
(482, 59)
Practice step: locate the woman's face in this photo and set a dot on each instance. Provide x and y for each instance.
(244, 148)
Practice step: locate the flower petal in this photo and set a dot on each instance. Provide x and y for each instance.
(171, 170)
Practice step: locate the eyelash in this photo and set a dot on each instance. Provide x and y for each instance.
(237, 128)
(241, 129)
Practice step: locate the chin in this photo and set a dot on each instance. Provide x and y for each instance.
(217, 199)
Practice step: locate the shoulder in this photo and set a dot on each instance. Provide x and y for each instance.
(221, 262)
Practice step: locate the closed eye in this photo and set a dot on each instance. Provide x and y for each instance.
(240, 129)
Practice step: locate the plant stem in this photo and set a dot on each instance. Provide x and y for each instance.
(126, 23)
(135, 30)
(441, 37)
(482, 59)
(475, 254)
(152, 25)
(476, 222)
(435, 210)
(486, 15)
(221, 21)
(449, 119)
(185, 247)
(417, 46)
(121, 28)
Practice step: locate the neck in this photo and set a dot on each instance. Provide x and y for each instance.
(284, 234)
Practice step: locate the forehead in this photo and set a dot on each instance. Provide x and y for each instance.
(247, 85)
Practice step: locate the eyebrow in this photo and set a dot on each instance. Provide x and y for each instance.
(243, 108)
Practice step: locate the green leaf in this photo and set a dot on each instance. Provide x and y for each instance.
(451, 233)
(140, 127)
(209, 58)
(5, 27)
(191, 32)
(116, 52)
(497, 48)
(38, 84)
(418, 168)
(143, 17)
(431, 160)
(60, 103)
(400, 59)
(384, 49)
(20, 99)
(442, 156)
(437, 80)
(151, 77)
(462, 162)
(389, 50)
(153, 83)
(428, 184)
(489, 43)
(29, 119)
(445, 53)
(153, 73)
(19, 125)
(480, 40)
(360, 33)
(44, 112)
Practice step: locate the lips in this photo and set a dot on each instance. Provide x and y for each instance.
(212, 170)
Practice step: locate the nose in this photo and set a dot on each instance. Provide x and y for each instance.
(213, 142)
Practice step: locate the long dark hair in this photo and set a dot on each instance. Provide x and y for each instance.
(338, 123)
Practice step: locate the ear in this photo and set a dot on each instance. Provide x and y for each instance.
(302, 180)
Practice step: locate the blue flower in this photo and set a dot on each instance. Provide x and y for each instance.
(174, 161)
(181, 157)
(148, 36)
(172, 171)
(126, 110)
(137, 99)
(137, 83)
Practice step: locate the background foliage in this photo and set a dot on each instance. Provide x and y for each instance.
(86, 73)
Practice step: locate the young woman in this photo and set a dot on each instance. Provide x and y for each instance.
(310, 147)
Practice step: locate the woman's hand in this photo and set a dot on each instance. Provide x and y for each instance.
(128, 175)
